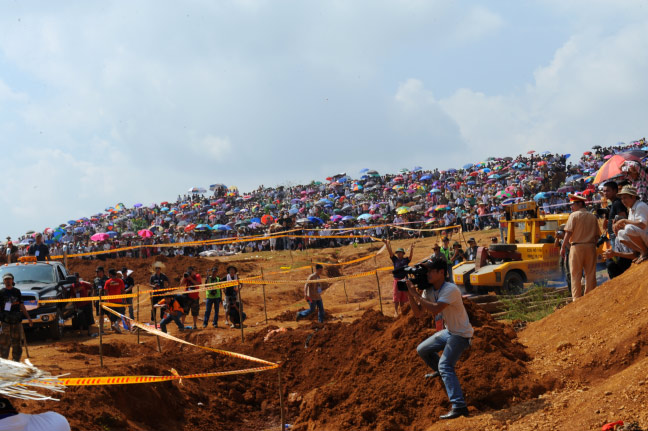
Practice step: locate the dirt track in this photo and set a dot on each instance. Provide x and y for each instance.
(583, 366)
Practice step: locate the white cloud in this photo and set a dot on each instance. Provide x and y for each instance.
(592, 92)
(216, 148)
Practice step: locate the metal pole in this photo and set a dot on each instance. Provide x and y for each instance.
(101, 324)
(283, 419)
(379, 296)
(265, 306)
(240, 304)
(138, 314)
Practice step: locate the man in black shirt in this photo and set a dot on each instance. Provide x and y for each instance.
(40, 249)
(616, 208)
(158, 281)
(97, 289)
(129, 283)
(11, 325)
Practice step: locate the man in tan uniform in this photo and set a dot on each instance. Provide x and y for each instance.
(581, 232)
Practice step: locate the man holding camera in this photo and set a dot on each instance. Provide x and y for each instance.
(443, 299)
(191, 280)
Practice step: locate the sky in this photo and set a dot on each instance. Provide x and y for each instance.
(136, 102)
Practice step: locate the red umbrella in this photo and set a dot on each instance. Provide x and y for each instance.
(267, 219)
(189, 227)
(531, 152)
(612, 167)
(542, 163)
(587, 153)
(99, 237)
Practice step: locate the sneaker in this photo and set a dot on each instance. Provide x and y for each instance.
(432, 375)
(115, 328)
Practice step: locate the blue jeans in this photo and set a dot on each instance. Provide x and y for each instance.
(320, 310)
(452, 346)
(171, 316)
(215, 302)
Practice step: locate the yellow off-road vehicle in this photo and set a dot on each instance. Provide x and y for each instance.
(505, 268)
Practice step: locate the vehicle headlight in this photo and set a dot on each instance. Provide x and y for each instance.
(45, 318)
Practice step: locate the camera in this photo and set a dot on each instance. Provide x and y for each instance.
(186, 275)
(602, 239)
(417, 274)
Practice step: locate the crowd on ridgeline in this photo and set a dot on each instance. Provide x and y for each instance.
(471, 196)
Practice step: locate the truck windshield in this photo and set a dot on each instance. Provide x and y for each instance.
(29, 273)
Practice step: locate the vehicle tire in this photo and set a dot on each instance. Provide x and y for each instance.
(513, 283)
(55, 329)
(502, 247)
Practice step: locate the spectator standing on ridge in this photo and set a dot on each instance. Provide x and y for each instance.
(213, 298)
(400, 262)
(157, 281)
(191, 279)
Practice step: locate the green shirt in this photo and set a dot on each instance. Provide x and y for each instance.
(214, 293)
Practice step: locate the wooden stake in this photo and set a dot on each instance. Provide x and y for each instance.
(240, 304)
(101, 324)
(379, 296)
(138, 314)
(345, 292)
(155, 322)
(283, 419)
(265, 306)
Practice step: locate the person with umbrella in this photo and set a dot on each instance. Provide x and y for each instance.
(633, 231)
(581, 233)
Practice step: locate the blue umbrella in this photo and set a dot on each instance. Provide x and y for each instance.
(347, 218)
(323, 201)
(546, 152)
(71, 222)
(470, 183)
(567, 156)
(540, 195)
(452, 170)
(426, 177)
(487, 170)
(435, 191)
(364, 216)
(111, 233)
(362, 171)
(468, 166)
(79, 229)
(137, 205)
(315, 220)
(343, 180)
(494, 177)
(417, 168)
(293, 211)
(255, 220)
(164, 209)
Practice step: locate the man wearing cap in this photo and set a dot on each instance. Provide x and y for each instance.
(581, 233)
(400, 262)
(471, 252)
(633, 231)
(40, 249)
(114, 286)
(157, 281)
(97, 289)
(11, 325)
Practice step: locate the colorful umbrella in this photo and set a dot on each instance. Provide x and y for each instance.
(99, 237)
(145, 233)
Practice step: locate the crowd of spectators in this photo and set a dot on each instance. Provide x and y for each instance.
(471, 196)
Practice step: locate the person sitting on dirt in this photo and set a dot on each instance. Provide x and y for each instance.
(172, 311)
(12, 312)
(633, 231)
(443, 299)
(312, 294)
(10, 419)
(400, 262)
(618, 259)
(114, 286)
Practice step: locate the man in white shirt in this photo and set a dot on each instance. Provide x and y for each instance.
(633, 231)
(443, 299)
